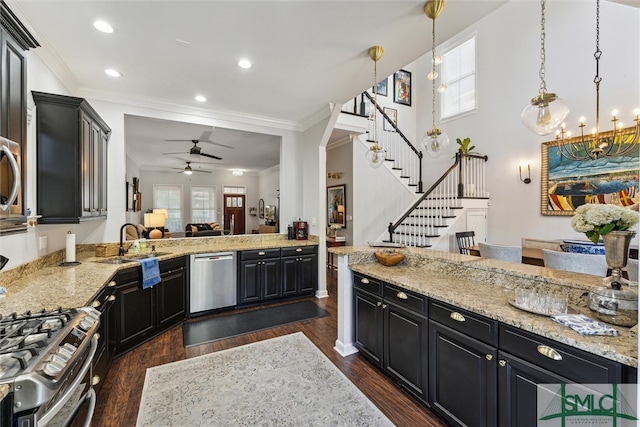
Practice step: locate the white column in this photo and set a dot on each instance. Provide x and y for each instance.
(344, 343)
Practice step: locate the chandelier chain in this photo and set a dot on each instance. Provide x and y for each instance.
(543, 84)
(375, 102)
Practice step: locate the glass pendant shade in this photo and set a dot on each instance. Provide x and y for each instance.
(375, 156)
(435, 142)
(544, 114)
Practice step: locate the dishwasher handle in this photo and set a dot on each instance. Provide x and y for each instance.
(218, 257)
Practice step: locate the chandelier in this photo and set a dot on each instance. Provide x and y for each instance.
(375, 155)
(546, 111)
(619, 142)
(434, 141)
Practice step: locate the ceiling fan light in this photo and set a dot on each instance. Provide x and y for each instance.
(188, 172)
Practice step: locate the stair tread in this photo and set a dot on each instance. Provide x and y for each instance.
(414, 234)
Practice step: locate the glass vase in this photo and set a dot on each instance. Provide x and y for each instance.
(616, 251)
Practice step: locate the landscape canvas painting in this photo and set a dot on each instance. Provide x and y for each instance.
(568, 183)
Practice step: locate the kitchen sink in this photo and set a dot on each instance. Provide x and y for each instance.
(134, 258)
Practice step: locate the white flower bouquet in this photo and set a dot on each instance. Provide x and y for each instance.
(597, 220)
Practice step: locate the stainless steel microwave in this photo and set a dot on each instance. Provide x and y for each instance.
(11, 212)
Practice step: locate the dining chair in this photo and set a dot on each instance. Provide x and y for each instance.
(501, 252)
(465, 240)
(632, 269)
(576, 262)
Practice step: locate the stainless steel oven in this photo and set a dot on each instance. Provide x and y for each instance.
(11, 209)
(45, 368)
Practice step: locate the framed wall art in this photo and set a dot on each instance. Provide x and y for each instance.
(382, 87)
(393, 115)
(402, 87)
(337, 205)
(570, 178)
(130, 198)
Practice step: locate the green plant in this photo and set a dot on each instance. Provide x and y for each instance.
(464, 146)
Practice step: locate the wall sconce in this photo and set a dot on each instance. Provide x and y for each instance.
(526, 180)
(334, 175)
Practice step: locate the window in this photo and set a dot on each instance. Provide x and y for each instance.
(458, 72)
(203, 205)
(169, 197)
(233, 190)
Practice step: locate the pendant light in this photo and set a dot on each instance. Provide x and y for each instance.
(434, 141)
(546, 111)
(375, 155)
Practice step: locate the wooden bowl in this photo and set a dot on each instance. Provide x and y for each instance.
(389, 259)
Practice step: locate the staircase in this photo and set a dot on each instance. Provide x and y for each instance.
(439, 210)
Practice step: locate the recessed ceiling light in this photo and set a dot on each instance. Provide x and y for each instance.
(244, 63)
(200, 98)
(113, 73)
(236, 172)
(103, 26)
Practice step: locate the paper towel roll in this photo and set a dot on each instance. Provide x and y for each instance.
(71, 248)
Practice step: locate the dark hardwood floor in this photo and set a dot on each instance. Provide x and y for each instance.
(119, 397)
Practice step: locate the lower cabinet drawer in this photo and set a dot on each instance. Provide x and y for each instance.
(471, 324)
(405, 299)
(367, 283)
(259, 254)
(300, 250)
(572, 363)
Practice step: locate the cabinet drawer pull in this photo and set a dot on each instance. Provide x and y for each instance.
(299, 250)
(95, 380)
(112, 284)
(457, 316)
(502, 362)
(111, 298)
(96, 304)
(402, 295)
(378, 304)
(549, 352)
(384, 305)
(365, 281)
(489, 356)
(261, 253)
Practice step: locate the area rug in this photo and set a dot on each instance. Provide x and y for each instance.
(217, 328)
(284, 381)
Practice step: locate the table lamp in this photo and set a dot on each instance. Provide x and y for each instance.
(155, 222)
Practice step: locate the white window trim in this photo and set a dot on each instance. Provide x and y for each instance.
(447, 46)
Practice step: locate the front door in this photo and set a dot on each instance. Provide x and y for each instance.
(234, 213)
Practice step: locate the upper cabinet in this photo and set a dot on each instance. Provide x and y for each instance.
(71, 140)
(15, 40)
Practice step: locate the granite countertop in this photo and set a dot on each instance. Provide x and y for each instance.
(485, 287)
(44, 284)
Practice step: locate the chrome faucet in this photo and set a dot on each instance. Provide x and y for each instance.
(121, 248)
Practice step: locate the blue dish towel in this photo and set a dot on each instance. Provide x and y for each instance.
(150, 272)
(584, 325)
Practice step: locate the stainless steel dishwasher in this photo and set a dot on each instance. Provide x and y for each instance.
(213, 281)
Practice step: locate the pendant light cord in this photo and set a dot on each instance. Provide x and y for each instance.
(375, 102)
(543, 85)
(433, 74)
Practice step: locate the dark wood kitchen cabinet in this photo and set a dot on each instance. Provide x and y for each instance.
(15, 41)
(391, 330)
(299, 271)
(526, 360)
(105, 304)
(139, 313)
(71, 140)
(259, 276)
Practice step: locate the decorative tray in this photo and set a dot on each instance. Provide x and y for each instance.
(539, 312)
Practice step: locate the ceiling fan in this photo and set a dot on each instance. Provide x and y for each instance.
(196, 149)
(188, 170)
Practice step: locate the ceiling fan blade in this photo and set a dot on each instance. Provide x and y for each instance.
(210, 156)
(205, 135)
(179, 140)
(179, 152)
(216, 143)
(194, 170)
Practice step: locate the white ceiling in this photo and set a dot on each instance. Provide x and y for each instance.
(306, 54)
